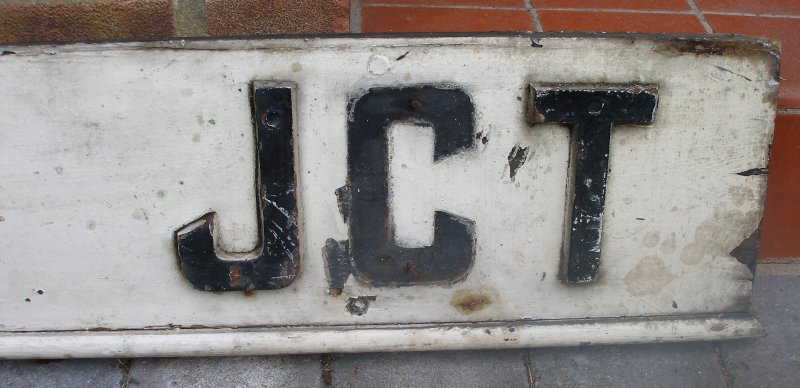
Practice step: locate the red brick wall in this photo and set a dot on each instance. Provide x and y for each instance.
(86, 20)
(81, 20)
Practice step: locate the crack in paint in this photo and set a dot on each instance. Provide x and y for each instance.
(754, 171)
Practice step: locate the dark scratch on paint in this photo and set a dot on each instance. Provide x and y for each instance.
(516, 158)
(400, 58)
(732, 72)
(754, 171)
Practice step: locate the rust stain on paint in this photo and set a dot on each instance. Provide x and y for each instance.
(469, 302)
(234, 275)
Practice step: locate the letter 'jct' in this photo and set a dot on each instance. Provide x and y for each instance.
(590, 111)
(275, 263)
(377, 259)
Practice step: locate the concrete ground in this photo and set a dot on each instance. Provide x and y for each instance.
(771, 361)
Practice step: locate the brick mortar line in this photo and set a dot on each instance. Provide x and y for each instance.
(189, 18)
(536, 9)
(603, 10)
(527, 362)
(789, 111)
(778, 262)
(502, 8)
(700, 17)
(124, 364)
(326, 369)
(760, 15)
(355, 16)
(724, 371)
(537, 24)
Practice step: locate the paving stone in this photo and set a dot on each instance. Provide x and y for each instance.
(60, 373)
(774, 360)
(272, 371)
(662, 365)
(488, 368)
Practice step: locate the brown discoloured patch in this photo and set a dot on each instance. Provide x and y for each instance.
(296, 67)
(253, 17)
(82, 21)
(741, 195)
(140, 215)
(692, 253)
(469, 302)
(668, 246)
(648, 277)
(249, 293)
(651, 239)
(716, 237)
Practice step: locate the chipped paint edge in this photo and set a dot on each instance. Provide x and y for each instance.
(384, 338)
